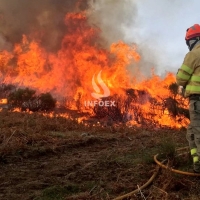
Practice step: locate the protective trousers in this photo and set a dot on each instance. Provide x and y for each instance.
(193, 133)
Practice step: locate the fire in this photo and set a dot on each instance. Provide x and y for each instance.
(68, 72)
(3, 101)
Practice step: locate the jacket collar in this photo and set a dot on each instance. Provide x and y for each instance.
(196, 46)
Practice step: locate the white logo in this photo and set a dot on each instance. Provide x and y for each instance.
(106, 91)
(98, 95)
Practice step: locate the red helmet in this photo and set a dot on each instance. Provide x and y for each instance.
(192, 32)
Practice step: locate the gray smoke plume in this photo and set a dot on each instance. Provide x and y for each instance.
(117, 19)
(39, 19)
(43, 20)
(112, 16)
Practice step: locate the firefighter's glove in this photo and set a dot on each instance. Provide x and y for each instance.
(181, 90)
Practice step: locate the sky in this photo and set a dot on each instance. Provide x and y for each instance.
(159, 30)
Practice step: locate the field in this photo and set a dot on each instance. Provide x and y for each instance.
(54, 158)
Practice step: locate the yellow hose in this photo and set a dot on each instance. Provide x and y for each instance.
(160, 164)
(142, 187)
(174, 170)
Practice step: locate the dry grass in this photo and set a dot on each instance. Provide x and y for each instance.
(46, 158)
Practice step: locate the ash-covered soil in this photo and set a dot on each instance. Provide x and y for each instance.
(44, 158)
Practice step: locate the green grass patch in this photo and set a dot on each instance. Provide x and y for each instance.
(167, 148)
(58, 192)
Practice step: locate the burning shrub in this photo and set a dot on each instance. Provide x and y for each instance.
(126, 108)
(6, 89)
(173, 88)
(176, 105)
(18, 97)
(47, 102)
(112, 112)
(26, 99)
(143, 109)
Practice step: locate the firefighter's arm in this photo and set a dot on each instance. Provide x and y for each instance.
(186, 70)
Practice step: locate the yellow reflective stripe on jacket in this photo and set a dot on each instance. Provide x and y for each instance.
(195, 78)
(186, 69)
(193, 88)
(195, 159)
(193, 151)
(183, 76)
(189, 73)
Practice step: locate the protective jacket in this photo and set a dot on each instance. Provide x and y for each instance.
(188, 74)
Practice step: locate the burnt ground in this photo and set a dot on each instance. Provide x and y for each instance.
(44, 158)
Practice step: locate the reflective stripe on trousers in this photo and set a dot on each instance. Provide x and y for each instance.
(194, 155)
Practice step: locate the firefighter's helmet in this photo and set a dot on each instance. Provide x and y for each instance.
(192, 36)
(193, 32)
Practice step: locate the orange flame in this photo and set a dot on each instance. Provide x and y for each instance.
(69, 71)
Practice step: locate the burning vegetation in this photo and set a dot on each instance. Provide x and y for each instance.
(66, 71)
(64, 91)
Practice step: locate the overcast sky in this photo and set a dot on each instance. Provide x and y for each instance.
(160, 25)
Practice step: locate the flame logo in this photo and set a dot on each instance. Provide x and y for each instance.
(106, 91)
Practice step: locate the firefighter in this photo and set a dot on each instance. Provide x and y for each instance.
(188, 76)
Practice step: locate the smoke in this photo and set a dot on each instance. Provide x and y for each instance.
(158, 32)
(112, 17)
(118, 19)
(43, 21)
(4, 44)
(39, 19)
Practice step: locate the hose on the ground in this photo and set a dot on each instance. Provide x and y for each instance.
(159, 165)
(142, 187)
(174, 170)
